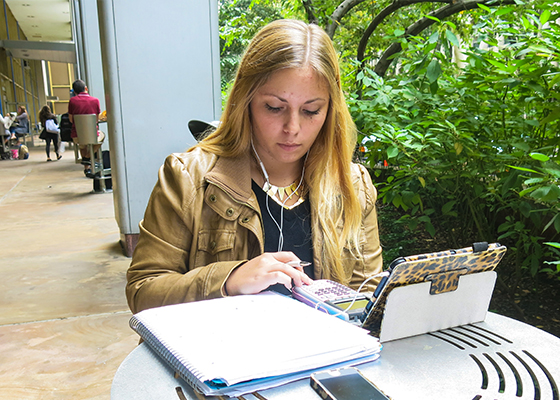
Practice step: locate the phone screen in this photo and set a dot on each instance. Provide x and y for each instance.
(357, 304)
(350, 387)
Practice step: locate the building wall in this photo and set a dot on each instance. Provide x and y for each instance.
(20, 82)
(60, 78)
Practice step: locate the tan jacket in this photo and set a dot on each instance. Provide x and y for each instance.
(203, 220)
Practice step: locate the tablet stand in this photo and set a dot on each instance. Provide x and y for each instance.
(411, 310)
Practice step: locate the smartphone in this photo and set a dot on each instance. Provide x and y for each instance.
(333, 298)
(345, 384)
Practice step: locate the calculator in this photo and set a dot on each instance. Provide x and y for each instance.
(333, 298)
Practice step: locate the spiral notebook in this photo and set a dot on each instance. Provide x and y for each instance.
(241, 344)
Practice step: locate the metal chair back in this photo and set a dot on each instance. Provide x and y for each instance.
(86, 128)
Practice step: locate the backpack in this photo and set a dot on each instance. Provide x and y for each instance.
(65, 128)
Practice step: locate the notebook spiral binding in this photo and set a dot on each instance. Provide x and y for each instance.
(191, 377)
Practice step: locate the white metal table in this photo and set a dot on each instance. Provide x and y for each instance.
(500, 358)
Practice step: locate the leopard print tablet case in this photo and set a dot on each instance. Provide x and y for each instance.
(443, 269)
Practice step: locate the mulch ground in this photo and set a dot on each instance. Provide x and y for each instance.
(537, 306)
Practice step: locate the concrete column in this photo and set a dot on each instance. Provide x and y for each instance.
(161, 69)
(88, 47)
(88, 51)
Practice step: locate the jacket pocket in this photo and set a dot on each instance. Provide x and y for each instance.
(215, 245)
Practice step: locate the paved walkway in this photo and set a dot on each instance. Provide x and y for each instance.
(63, 313)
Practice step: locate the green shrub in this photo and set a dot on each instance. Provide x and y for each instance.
(472, 151)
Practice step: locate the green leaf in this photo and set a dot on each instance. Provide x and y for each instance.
(434, 71)
(433, 37)
(524, 169)
(550, 223)
(448, 206)
(498, 64)
(545, 16)
(553, 172)
(430, 228)
(541, 193)
(503, 11)
(533, 181)
(525, 209)
(552, 116)
(484, 7)
(392, 152)
(542, 49)
(539, 157)
(522, 146)
(553, 244)
(527, 191)
(505, 235)
(452, 38)
(434, 87)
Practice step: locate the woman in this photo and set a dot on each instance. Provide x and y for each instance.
(273, 184)
(51, 131)
(22, 122)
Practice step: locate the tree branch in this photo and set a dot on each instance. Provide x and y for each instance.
(339, 13)
(417, 27)
(396, 5)
(310, 11)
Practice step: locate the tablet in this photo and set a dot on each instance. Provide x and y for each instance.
(442, 269)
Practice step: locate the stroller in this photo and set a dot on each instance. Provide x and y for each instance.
(6, 152)
(12, 149)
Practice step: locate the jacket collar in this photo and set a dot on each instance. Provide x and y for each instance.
(233, 175)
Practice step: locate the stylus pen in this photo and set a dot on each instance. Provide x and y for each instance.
(298, 263)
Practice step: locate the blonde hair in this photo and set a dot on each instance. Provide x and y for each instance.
(294, 44)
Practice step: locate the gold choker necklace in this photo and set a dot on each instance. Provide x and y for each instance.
(281, 194)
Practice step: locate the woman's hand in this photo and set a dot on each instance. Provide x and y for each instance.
(267, 269)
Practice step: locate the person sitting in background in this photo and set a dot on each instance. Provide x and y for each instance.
(83, 103)
(7, 123)
(50, 131)
(21, 127)
(272, 185)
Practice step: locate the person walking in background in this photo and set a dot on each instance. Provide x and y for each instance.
(83, 103)
(50, 131)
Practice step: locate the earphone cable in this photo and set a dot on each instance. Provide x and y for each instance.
(280, 225)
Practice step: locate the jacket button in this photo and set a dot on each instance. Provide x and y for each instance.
(229, 212)
(212, 245)
(245, 220)
(212, 198)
